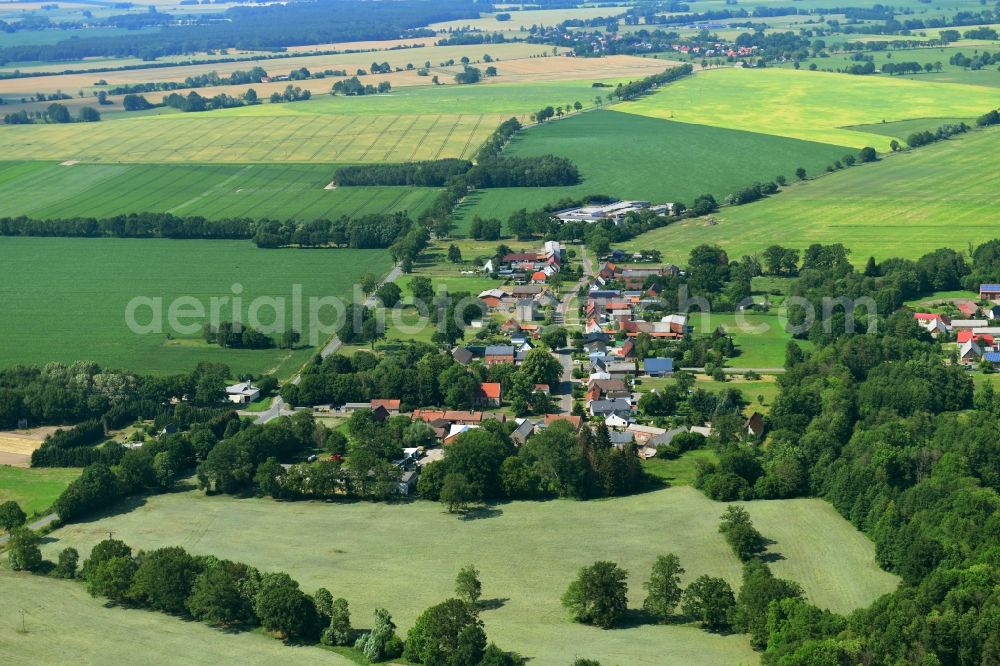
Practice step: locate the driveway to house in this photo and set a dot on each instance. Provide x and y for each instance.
(278, 406)
(44, 521)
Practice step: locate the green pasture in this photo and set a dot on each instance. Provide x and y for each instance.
(34, 489)
(629, 156)
(90, 631)
(65, 299)
(279, 191)
(814, 106)
(904, 205)
(988, 76)
(405, 557)
(767, 386)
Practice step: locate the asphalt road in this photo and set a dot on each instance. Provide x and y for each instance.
(278, 406)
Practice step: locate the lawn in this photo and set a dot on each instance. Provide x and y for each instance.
(766, 386)
(680, 471)
(906, 205)
(760, 337)
(285, 191)
(34, 489)
(679, 161)
(65, 299)
(814, 106)
(405, 556)
(91, 632)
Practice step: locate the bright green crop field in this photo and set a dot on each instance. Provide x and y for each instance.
(528, 552)
(89, 632)
(34, 489)
(813, 106)
(904, 205)
(634, 157)
(280, 191)
(65, 299)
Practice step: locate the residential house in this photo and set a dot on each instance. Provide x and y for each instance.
(658, 367)
(450, 416)
(989, 292)
(541, 388)
(456, 431)
(525, 310)
(968, 308)
(526, 291)
(619, 369)
(499, 354)
(610, 388)
(391, 406)
(462, 355)
(606, 408)
(408, 480)
(493, 297)
(573, 420)
(993, 358)
(618, 422)
(242, 393)
(755, 425)
(524, 430)
(621, 439)
(489, 394)
(970, 353)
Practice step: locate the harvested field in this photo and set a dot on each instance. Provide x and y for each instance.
(17, 446)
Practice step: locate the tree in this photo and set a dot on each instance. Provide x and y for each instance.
(389, 293)
(868, 154)
(894, 146)
(282, 607)
(448, 633)
(454, 254)
(217, 595)
(11, 515)
(468, 588)
(68, 559)
(111, 578)
(742, 536)
(381, 642)
(23, 553)
(541, 367)
(164, 579)
(598, 596)
(554, 337)
(88, 114)
(457, 492)
(368, 283)
(758, 590)
(663, 590)
(340, 631)
(800, 173)
(709, 601)
(57, 113)
(422, 289)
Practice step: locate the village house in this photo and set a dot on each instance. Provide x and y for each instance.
(242, 393)
(525, 310)
(606, 408)
(970, 353)
(755, 425)
(658, 367)
(573, 420)
(499, 354)
(488, 394)
(989, 292)
(390, 406)
(524, 430)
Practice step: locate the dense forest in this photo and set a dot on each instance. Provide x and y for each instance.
(261, 27)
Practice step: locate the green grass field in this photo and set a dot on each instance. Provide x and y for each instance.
(905, 205)
(405, 557)
(679, 161)
(682, 470)
(279, 191)
(34, 489)
(813, 106)
(65, 299)
(66, 625)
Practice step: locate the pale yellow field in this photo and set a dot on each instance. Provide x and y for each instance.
(815, 106)
(519, 19)
(350, 62)
(16, 447)
(290, 138)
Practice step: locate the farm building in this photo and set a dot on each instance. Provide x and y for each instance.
(658, 367)
(989, 292)
(242, 393)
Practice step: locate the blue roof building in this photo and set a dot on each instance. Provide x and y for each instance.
(657, 367)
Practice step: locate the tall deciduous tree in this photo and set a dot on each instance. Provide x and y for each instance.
(663, 589)
(598, 596)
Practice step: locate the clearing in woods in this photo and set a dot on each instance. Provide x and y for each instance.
(680, 161)
(901, 206)
(88, 283)
(814, 106)
(278, 191)
(365, 551)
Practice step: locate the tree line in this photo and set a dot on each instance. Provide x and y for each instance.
(541, 171)
(234, 596)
